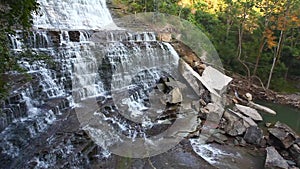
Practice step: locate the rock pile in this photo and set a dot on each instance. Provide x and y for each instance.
(237, 125)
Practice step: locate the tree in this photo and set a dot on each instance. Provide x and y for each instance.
(285, 22)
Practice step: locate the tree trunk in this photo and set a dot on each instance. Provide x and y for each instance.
(271, 72)
(279, 46)
(239, 51)
(276, 57)
(261, 47)
(286, 74)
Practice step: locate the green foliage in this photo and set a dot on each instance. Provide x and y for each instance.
(260, 23)
(14, 15)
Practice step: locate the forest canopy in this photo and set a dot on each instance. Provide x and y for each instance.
(258, 39)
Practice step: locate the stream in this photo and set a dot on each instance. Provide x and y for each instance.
(285, 114)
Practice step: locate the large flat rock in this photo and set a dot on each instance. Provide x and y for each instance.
(250, 112)
(216, 79)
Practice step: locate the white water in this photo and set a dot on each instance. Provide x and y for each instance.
(211, 154)
(130, 56)
(74, 14)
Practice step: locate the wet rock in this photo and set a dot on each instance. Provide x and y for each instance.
(294, 151)
(55, 36)
(250, 112)
(74, 36)
(242, 142)
(196, 105)
(218, 138)
(186, 105)
(282, 135)
(239, 141)
(253, 135)
(175, 96)
(275, 160)
(238, 128)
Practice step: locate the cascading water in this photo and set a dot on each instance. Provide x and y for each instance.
(87, 64)
(74, 15)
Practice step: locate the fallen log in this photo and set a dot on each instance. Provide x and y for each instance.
(254, 105)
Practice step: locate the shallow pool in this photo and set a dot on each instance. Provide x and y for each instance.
(285, 114)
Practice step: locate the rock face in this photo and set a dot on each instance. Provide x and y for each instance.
(250, 112)
(253, 135)
(274, 160)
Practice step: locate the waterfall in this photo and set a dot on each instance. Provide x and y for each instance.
(91, 59)
(74, 14)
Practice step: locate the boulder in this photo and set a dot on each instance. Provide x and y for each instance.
(196, 105)
(250, 112)
(194, 79)
(165, 37)
(175, 84)
(230, 118)
(238, 128)
(253, 135)
(175, 96)
(237, 123)
(275, 160)
(213, 118)
(280, 138)
(286, 128)
(281, 135)
(294, 151)
(246, 119)
(215, 79)
(218, 137)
